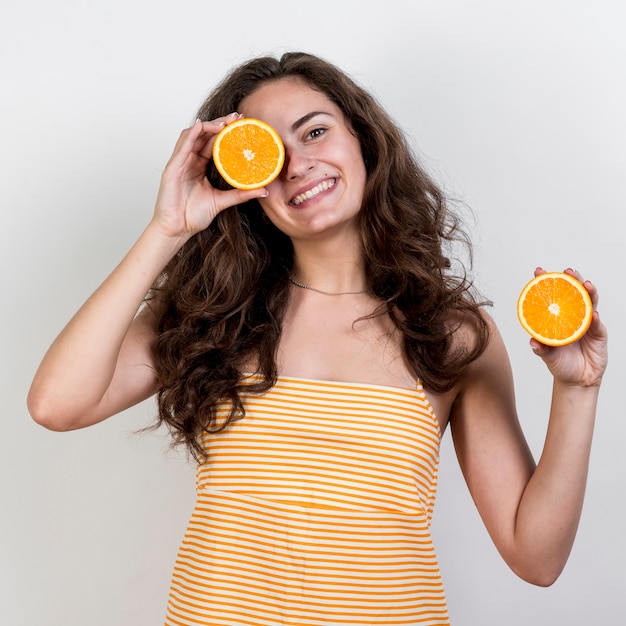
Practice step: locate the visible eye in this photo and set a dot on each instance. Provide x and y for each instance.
(315, 133)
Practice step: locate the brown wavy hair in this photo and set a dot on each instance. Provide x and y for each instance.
(221, 300)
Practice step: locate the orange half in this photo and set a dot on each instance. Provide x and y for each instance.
(248, 153)
(555, 309)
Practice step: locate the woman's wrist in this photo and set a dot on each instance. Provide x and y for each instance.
(162, 241)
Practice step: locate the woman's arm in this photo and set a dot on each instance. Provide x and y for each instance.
(101, 363)
(531, 511)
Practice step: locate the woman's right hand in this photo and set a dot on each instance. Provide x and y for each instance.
(187, 202)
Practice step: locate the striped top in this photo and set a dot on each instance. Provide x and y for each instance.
(314, 509)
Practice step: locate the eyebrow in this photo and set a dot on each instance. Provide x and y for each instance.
(305, 118)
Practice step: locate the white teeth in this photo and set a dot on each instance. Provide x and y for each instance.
(311, 193)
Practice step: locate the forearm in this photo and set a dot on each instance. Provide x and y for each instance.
(551, 505)
(80, 365)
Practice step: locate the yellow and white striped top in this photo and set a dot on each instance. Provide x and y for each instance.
(314, 509)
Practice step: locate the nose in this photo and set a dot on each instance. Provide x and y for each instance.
(297, 163)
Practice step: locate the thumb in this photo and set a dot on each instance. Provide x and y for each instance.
(540, 349)
(232, 197)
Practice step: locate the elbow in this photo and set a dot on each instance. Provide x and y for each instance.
(542, 580)
(540, 575)
(44, 412)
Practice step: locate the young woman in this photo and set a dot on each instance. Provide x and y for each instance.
(309, 343)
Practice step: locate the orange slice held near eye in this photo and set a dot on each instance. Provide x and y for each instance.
(555, 309)
(248, 154)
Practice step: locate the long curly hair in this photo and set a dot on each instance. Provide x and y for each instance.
(221, 300)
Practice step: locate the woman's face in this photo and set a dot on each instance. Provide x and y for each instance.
(320, 188)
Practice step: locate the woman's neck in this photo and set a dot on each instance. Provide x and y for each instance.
(330, 266)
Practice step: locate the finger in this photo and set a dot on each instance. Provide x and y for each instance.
(597, 330)
(575, 273)
(206, 138)
(224, 119)
(589, 286)
(183, 138)
(539, 271)
(184, 145)
(231, 197)
(196, 136)
(593, 293)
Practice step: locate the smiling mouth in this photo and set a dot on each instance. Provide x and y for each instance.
(315, 191)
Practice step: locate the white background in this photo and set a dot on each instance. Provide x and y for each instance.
(518, 110)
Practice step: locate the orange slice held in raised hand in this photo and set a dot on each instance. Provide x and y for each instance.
(248, 153)
(555, 308)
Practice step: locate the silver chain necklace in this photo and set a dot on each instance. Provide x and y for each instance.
(326, 293)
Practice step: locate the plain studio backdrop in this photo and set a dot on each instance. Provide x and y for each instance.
(517, 108)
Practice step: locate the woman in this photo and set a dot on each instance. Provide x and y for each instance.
(309, 344)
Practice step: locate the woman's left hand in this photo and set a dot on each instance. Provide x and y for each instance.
(583, 362)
